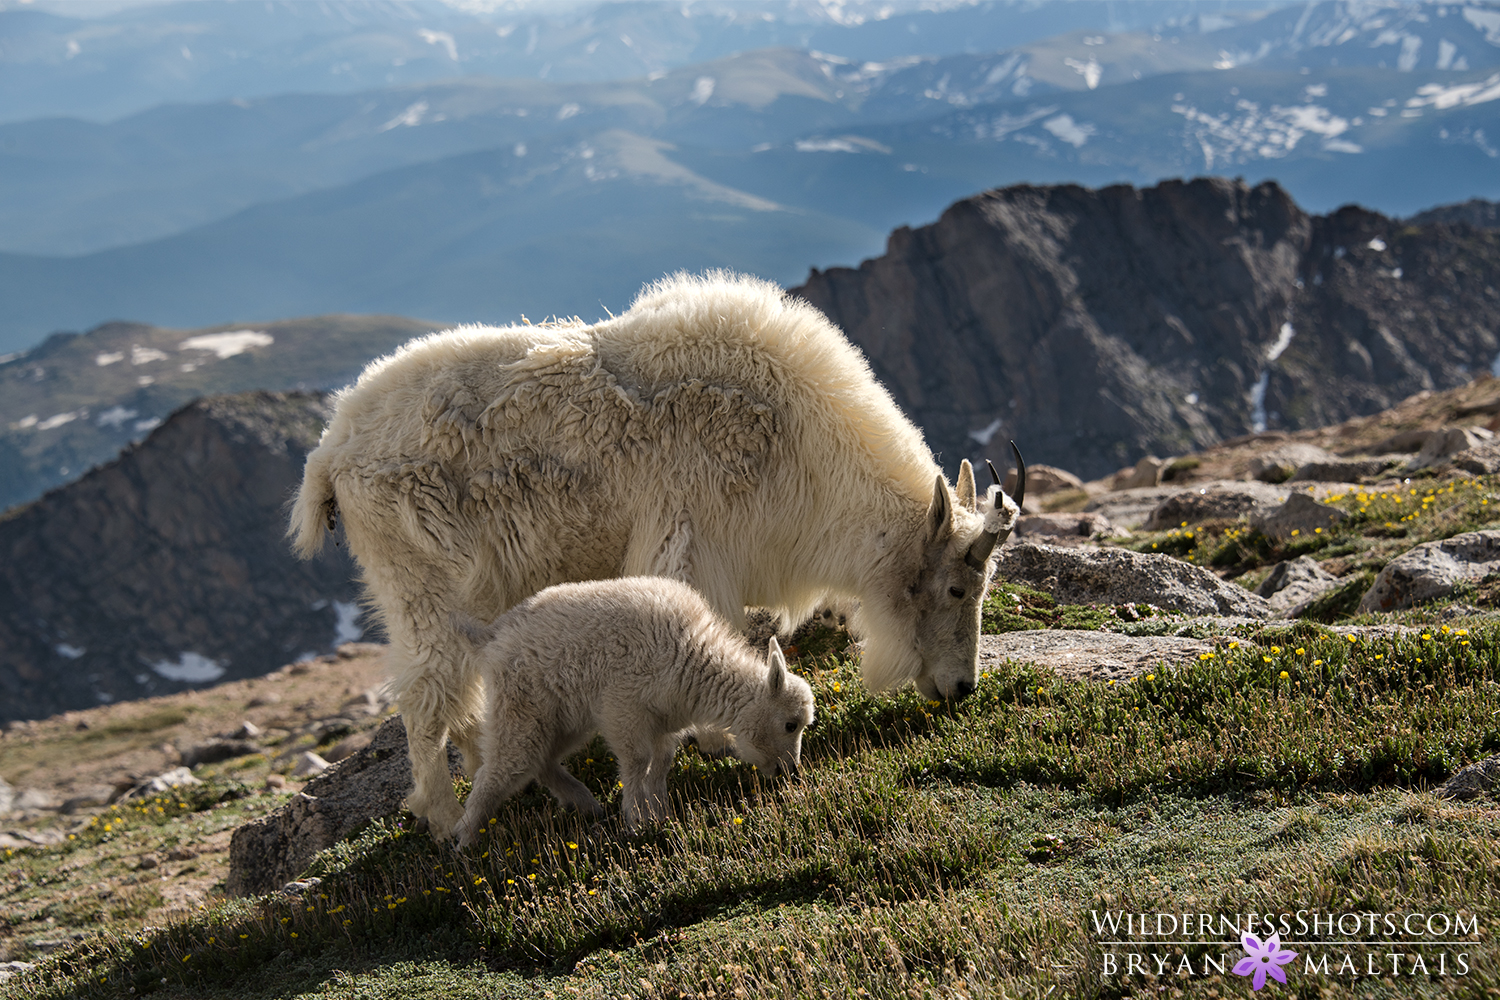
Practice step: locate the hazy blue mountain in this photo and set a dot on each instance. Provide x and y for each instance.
(75, 187)
(131, 59)
(574, 226)
(472, 198)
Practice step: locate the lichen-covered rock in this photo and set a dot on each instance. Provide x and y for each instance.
(266, 853)
(1432, 570)
(1471, 782)
(1300, 515)
(1119, 576)
(1084, 655)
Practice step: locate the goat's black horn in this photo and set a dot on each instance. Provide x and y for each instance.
(994, 475)
(1020, 496)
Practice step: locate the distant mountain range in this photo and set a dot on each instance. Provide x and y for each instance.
(1092, 325)
(55, 59)
(560, 192)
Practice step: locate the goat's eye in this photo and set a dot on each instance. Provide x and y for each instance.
(791, 727)
(956, 592)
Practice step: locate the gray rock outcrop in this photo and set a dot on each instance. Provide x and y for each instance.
(1082, 525)
(1084, 655)
(1440, 444)
(1343, 470)
(1214, 501)
(1482, 459)
(1282, 462)
(1432, 570)
(1300, 515)
(1294, 584)
(1119, 576)
(266, 853)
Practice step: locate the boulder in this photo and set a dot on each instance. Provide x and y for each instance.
(309, 763)
(1043, 479)
(1083, 525)
(1432, 570)
(1145, 473)
(1446, 442)
(9, 969)
(1282, 462)
(1213, 502)
(1119, 576)
(1294, 584)
(1405, 442)
(1482, 459)
(216, 750)
(36, 800)
(1300, 515)
(164, 782)
(1343, 470)
(1129, 508)
(1473, 781)
(266, 853)
(7, 797)
(1086, 655)
(88, 797)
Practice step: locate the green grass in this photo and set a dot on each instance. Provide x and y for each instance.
(923, 852)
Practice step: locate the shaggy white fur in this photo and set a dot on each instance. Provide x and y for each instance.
(718, 432)
(637, 660)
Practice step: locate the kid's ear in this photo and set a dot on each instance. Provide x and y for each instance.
(775, 666)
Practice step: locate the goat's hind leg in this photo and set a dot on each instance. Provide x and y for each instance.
(568, 790)
(515, 751)
(429, 712)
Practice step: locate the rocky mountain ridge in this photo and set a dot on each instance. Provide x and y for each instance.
(1095, 326)
(76, 400)
(167, 569)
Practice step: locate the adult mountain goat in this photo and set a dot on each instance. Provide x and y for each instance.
(718, 432)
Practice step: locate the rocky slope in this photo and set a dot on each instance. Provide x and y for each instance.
(1094, 326)
(167, 568)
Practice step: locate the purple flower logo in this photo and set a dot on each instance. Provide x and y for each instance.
(1263, 959)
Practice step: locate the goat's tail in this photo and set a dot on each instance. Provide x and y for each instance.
(315, 511)
(473, 629)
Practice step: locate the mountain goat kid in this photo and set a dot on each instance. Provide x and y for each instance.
(637, 660)
(718, 432)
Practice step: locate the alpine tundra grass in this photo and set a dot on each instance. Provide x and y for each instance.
(988, 850)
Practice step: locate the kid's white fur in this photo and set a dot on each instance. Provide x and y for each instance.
(637, 660)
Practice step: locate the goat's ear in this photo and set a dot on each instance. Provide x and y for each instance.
(965, 488)
(940, 514)
(775, 666)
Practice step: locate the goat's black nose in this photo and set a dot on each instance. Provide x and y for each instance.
(965, 688)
